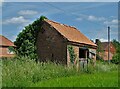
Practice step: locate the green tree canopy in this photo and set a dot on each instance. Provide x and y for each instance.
(99, 49)
(26, 40)
(116, 57)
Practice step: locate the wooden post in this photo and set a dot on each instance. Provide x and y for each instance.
(86, 59)
(77, 65)
(86, 54)
(94, 61)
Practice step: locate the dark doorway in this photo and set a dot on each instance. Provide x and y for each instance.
(82, 53)
(52, 57)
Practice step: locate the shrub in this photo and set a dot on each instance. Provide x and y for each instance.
(26, 40)
(116, 58)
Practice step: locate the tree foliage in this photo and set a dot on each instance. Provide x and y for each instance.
(99, 49)
(26, 40)
(116, 56)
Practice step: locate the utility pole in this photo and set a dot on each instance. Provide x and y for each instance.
(108, 44)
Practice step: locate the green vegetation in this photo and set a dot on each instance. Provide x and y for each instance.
(116, 57)
(24, 72)
(26, 40)
(99, 50)
(83, 80)
(72, 53)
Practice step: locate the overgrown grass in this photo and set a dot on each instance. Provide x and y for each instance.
(108, 79)
(24, 72)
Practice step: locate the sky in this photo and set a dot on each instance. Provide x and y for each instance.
(91, 18)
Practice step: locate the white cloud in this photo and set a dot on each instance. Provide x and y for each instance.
(27, 12)
(94, 18)
(114, 21)
(103, 40)
(90, 18)
(16, 20)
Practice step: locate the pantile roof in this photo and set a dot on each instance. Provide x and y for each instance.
(71, 33)
(5, 42)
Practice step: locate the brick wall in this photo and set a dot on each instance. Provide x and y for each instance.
(51, 46)
(4, 52)
(76, 51)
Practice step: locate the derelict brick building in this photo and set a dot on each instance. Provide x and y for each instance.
(53, 39)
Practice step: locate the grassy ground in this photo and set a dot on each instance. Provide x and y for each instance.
(83, 80)
(23, 72)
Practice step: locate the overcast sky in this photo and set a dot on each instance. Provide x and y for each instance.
(91, 18)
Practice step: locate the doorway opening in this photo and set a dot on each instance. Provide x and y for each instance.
(83, 53)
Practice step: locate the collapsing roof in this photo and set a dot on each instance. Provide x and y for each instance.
(71, 33)
(5, 42)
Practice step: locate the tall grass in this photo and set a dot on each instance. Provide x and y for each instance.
(25, 72)
(22, 72)
(105, 67)
(0, 74)
(108, 79)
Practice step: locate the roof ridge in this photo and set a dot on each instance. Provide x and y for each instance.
(71, 29)
(61, 24)
(6, 39)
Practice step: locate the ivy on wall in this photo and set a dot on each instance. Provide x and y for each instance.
(71, 53)
(26, 40)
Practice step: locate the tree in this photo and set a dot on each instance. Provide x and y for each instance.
(99, 49)
(116, 56)
(26, 40)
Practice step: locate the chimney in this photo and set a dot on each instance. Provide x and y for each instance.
(97, 41)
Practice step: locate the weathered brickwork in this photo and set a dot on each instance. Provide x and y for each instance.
(51, 46)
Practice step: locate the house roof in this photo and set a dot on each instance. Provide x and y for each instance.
(5, 42)
(71, 33)
(104, 45)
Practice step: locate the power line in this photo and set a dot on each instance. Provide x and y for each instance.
(74, 14)
(68, 13)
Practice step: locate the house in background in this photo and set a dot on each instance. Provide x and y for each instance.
(104, 47)
(54, 39)
(4, 47)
